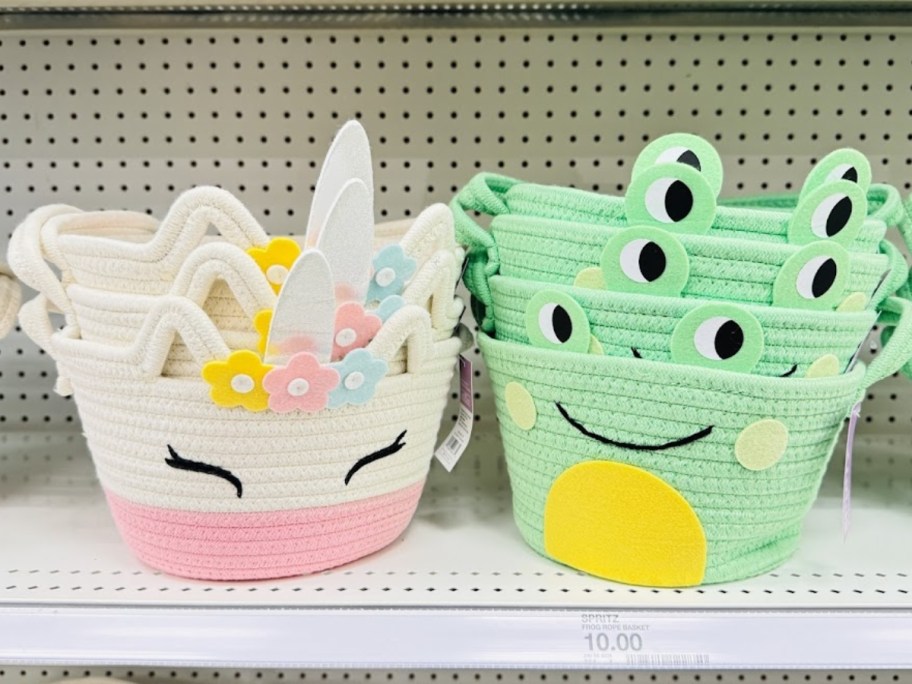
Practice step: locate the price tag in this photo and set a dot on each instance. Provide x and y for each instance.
(612, 638)
(456, 442)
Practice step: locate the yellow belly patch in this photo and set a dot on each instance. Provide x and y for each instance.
(622, 523)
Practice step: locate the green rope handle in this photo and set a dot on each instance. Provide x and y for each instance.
(484, 194)
(896, 350)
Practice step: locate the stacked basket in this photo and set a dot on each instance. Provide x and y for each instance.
(255, 407)
(671, 373)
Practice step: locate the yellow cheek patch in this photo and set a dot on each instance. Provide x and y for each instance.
(857, 301)
(520, 406)
(825, 367)
(619, 522)
(595, 347)
(760, 445)
(592, 278)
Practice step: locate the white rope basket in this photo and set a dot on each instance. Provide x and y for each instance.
(95, 268)
(258, 494)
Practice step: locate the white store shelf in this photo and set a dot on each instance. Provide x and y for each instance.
(460, 589)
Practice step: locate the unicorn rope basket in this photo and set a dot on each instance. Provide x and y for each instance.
(255, 407)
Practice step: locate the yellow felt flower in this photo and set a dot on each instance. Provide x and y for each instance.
(238, 381)
(276, 259)
(261, 323)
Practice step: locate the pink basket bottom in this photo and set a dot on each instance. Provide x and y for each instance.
(267, 545)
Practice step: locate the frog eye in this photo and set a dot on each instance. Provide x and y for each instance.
(555, 321)
(683, 148)
(834, 211)
(814, 278)
(718, 336)
(845, 164)
(673, 196)
(645, 260)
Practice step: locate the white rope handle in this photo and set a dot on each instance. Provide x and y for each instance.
(222, 261)
(10, 300)
(182, 229)
(146, 357)
(409, 326)
(435, 282)
(433, 230)
(27, 258)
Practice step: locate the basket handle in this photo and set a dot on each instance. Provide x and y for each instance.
(897, 342)
(485, 194)
(26, 255)
(409, 326)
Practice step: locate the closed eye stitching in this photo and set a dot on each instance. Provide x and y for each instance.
(393, 448)
(683, 441)
(180, 463)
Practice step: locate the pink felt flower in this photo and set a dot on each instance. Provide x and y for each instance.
(355, 327)
(303, 384)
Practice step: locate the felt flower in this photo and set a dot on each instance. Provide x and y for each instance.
(276, 259)
(389, 306)
(355, 327)
(392, 268)
(303, 384)
(359, 373)
(238, 381)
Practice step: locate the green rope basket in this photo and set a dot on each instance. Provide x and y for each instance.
(663, 474)
(700, 267)
(770, 341)
(735, 218)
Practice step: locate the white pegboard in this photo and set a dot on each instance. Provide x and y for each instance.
(128, 118)
(108, 117)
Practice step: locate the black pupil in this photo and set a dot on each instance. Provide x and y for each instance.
(851, 174)
(563, 326)
(824, 278)
(652, 262)
(839, 216)
(688, 157)
(729, 340)
(678, 201)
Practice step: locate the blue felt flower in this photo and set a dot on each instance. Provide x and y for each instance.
(389, 306)
(392, 268)
(359, 373)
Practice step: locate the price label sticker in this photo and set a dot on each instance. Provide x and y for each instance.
(456, 442)
(612, 638)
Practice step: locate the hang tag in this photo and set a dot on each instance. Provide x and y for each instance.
(456, 442)
(847, 473)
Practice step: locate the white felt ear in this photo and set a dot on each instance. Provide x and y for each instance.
(347, 241)
(304, 315)
(349, 158)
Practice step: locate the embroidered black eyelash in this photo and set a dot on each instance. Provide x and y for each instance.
(180, 463)
(683, 441)
(376, 456)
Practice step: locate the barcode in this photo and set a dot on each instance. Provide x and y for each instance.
(668, 659)
(453, 443)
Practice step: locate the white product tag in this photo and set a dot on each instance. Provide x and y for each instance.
(456, 442)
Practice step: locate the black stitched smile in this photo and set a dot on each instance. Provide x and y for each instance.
(683, 441)
(376, 456)
(180, 463)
